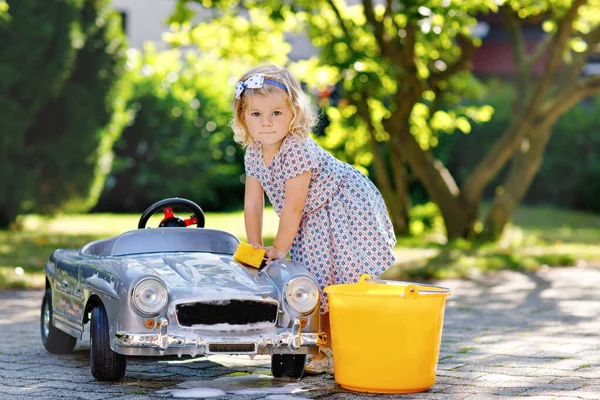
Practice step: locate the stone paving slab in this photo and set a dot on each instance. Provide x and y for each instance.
(534, 336)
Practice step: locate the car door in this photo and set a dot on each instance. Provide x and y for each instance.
(68, 287)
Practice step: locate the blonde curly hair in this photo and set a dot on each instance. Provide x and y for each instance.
(304, 118)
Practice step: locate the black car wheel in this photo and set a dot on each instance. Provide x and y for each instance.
(106, 365)
(288, 365)
(54, 340)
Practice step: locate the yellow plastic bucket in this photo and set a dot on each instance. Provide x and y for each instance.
(386, 334)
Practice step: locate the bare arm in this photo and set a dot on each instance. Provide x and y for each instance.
(254, 204)
(289, 220)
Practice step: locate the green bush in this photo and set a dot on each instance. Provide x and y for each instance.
(425, 219)
(61, 103)
(570, 174)
(178, 142)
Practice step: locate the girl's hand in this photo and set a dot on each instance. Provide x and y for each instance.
(273, 253)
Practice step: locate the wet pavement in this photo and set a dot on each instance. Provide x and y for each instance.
(533, 336)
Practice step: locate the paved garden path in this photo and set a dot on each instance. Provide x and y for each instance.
(509, 334)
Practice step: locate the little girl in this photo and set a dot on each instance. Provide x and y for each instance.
(332, 218)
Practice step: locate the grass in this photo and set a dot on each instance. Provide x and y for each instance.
(25, 249)
(539, 236)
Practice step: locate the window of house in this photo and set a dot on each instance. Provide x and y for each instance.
(123, 15)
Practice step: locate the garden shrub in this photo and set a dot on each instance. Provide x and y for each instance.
(178, 142)
(61, 101)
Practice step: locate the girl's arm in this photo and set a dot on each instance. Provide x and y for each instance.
(254, 204)
(289, 220)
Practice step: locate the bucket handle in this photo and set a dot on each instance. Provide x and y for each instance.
(366, 278)
(411, 291)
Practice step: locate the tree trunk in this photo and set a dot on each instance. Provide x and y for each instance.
(435, 178)
(398, 211)
(523, 168)
(394, 199)
(491, 164)
(402, 198)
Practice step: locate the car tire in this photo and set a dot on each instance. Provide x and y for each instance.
(288, 365)
(106, 365)
(54, 340)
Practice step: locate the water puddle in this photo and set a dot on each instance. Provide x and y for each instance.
(275, 389)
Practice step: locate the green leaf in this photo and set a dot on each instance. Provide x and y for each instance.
(463, 124)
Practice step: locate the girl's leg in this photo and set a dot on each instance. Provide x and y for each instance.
(325, 328)
(320, 362)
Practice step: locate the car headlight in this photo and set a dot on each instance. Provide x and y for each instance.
(302, 294)
(150, 296)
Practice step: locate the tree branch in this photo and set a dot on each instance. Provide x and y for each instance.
(563, 33)
(410, 86)
(382, 177)
(515, 35)
(467, 48)
(377, 26)
(396, 199)
(410, 40)
(388, 9)
(336, 10)
(389, 13)
(539, 50)
(494, 160)
(512, 25)
(560, 104)
(579, 60)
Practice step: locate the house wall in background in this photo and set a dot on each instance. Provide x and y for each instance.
(145, 20)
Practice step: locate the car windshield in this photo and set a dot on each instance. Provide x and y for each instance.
(161, 240)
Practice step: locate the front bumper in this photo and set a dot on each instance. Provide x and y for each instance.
(190, 343)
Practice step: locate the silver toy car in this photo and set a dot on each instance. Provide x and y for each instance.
(174, 290)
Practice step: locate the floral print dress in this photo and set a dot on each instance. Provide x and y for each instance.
(345, 230)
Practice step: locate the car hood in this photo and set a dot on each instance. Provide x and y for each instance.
(216, 276)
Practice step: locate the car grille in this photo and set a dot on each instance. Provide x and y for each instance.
(232, 348)
(233, 312)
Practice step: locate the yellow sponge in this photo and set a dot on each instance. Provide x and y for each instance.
(250, 256)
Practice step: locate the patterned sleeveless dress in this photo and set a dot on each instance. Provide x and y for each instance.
(345, 230)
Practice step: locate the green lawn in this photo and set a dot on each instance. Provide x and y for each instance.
(540, 236)
(24, 252)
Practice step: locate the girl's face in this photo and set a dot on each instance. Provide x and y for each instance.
(268, 119)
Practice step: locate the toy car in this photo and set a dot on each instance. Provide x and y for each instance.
(174, 290)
